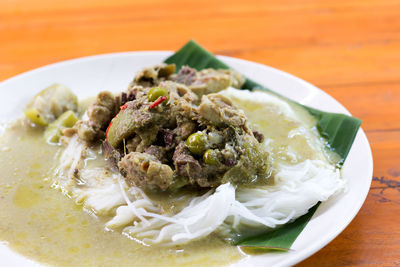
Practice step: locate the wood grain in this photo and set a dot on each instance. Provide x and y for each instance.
(377, 104)
(351, 49)
(373, 237)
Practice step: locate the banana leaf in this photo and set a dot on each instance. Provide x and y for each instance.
(339, 130)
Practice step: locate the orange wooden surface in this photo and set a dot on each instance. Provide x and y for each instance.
(350, 49)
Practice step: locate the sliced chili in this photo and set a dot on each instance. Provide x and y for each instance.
(123, 106)
(108, 128)
(158, 102)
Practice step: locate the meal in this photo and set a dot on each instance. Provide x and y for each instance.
(182, 160)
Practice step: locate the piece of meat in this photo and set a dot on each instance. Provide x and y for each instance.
(106, 99)
(209, 81)
(133, 143)
(167, 136)
(86, 132)
(259, 136)
(69, 132)
(184, 129)
(148, 137)
(158, 151)
(219, 111)
(152, 76)
(184, 109)
(182, 101)
(144, 170)
(160, 175)
(99, 116)
(185, 164)
(131, 94)
(236, 79)
(102, 111)
(179, 91)
(186, 75)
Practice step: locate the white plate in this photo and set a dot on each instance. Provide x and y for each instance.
(87, 76)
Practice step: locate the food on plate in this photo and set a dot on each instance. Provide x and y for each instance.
(182, 159)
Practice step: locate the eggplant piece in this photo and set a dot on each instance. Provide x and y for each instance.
(50, 103)
(121, 127)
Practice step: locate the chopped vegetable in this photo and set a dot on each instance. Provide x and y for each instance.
(197, 143)
(156, 92)
(67, 119)
(166, 70)
(34, 116)
(210, 157)
(52, 134)
(50, 103)
(245, 171)
(122, 126)
(54, 130)
(123, 107)
(148, 76)
(158, 102)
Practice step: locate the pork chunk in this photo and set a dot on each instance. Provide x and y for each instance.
(102, 111)
(185, 164)
(218, 110)
(209, 81)
(154, 75)
(86, 131)
(145, 170)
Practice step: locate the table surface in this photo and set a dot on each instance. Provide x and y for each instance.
(350, 49)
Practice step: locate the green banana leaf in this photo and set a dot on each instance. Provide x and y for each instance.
(339, 130)
(279, 239)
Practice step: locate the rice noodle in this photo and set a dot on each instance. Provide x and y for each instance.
(201, 217)
(71, 159)
(297, 188)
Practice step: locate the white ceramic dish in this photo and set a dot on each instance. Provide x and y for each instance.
(87, 76)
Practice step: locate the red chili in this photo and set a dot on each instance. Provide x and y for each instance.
(158, 102)
(123, 106)
(108, 128)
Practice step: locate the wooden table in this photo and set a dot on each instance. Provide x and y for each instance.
(350, 49)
